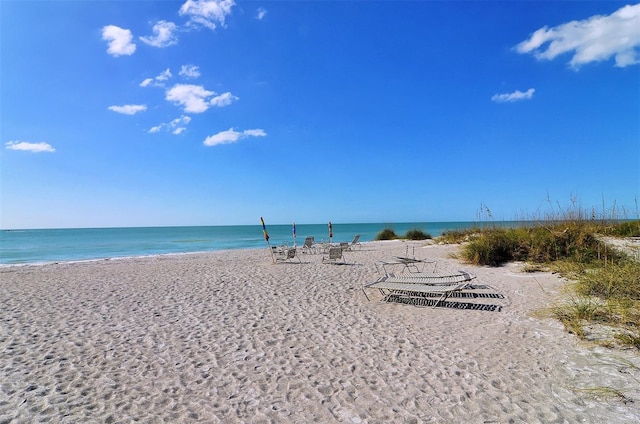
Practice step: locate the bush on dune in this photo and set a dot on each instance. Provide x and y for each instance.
(387, 234)
(417, 234)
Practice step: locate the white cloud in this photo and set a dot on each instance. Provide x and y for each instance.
(157, 81)
(119, 40)
(179, 125)
(231, 136)
(178, 131)
(29, 147)
(189, 71)
(176, 126)
(591, 40)
(192, 97)
(261, 13)
(513, 97)
(163, 35)
(207, 13)
(165, 75)
(255, 133)
(184, 119)
(128, 109)
(196, 99)
(225, 99)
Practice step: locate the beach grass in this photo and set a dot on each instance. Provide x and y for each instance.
(605, 281)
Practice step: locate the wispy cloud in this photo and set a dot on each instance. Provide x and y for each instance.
(231, 136)
(262, 12)
(196, 99)
(179, 125)
(254, 133)
(164, 75)
(128, 109)
(119, 41)
(513, 97)
(29, 147)
(207, 13)
(176, 127)
(158, 81)
(224, 99)
(189, 71)
(164, 35)
(179, 131)
(591, 40)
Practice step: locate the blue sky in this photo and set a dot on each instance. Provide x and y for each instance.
(145, 113)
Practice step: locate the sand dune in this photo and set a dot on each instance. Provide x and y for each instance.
(227, 337)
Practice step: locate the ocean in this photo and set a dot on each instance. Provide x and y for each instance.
(63, 245)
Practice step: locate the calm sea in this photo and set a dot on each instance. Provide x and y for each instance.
(56, 245)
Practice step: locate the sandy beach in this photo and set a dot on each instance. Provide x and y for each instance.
(229, 337)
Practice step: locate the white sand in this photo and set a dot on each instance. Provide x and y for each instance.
(227, 337)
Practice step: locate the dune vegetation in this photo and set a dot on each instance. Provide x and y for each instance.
(604, 291)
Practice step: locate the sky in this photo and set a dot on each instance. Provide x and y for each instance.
(217, 112)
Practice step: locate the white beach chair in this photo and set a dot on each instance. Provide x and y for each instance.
(336, 256)
(413, 265)
(431, 289)
(391, 289)
(355, 242)
(288, 254)
(309, 245)
(429, 278)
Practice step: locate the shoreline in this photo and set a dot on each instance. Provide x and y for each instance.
(154, 255)
(117, 258)
(226, 336)
(150, 256)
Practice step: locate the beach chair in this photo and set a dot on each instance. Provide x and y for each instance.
(412, 265)
(432, 289)
(309, 245)
(432, 278)
(355, 242)
(409, 284)
(287, 255)
(336, 256)
(404, 292)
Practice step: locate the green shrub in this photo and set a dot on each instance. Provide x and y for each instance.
(569, 241)
(492, 248)
(416, 234)
(387, 234)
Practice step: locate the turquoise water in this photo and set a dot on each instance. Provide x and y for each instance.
(57, 245)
